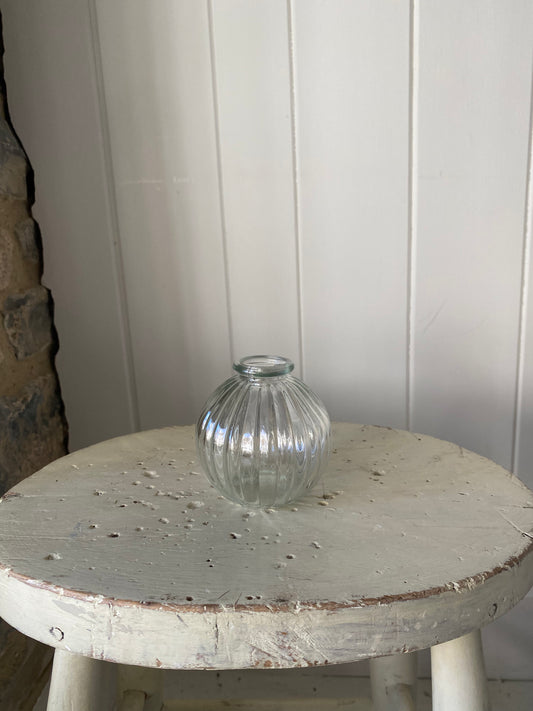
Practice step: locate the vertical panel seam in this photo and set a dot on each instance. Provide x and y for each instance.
(116, 246)
(412, 204)
(220, 177)
(524, 293)
(296, 185)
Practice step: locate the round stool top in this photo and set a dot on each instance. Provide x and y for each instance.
(123, 551)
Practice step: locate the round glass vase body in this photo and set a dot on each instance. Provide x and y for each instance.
(263, 437)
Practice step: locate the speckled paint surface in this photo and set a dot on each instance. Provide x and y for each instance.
(131, 531)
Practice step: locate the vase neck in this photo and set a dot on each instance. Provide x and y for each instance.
(263, 366)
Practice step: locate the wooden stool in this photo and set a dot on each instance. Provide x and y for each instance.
(123, 552)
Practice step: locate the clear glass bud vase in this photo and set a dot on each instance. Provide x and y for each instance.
(263, 435)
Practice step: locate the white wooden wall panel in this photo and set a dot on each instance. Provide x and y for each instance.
(163, 139)
(54, 103)
(352, 100)
(251, 51)
(473, 74)
(523, 464)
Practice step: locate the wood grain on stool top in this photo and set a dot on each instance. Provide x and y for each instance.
(123, 551)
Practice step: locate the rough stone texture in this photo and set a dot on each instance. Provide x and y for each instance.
(6, 258)
(28, 322)
(32, 425)
(29, 424)
(26, 234)
(13, 165)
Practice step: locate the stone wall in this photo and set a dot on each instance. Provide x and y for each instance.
(32, 425)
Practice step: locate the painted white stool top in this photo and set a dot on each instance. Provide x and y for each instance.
(123, 551)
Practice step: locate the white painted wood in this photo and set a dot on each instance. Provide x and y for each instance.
(80, 683)
(393, 682)
(509, 639)
(163, 136)
(507, 647)
(458, 675)
(325, 686)
(349, 704)
(141, 686)
(164, 573)
(54, 103)
(470, 190)
(252, 79)
(349, 147)
(523, 445)
(132, 701)
(506, 696)
(319, 683)
(352, 103)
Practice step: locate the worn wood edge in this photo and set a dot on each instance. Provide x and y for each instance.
(285, 605)
(231, 638)
(452, 600)
(468, 583)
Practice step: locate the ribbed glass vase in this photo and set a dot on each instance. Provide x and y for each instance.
(263, 435)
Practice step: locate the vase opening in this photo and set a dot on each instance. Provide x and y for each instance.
(263, 366)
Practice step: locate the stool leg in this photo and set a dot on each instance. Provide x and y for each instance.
(81, 683)
(393, 682)
(458, 675)
(132, 701)
(135, 683)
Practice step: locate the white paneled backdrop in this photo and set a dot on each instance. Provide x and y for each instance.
(346, 182)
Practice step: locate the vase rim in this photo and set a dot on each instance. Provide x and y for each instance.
(263, 366)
